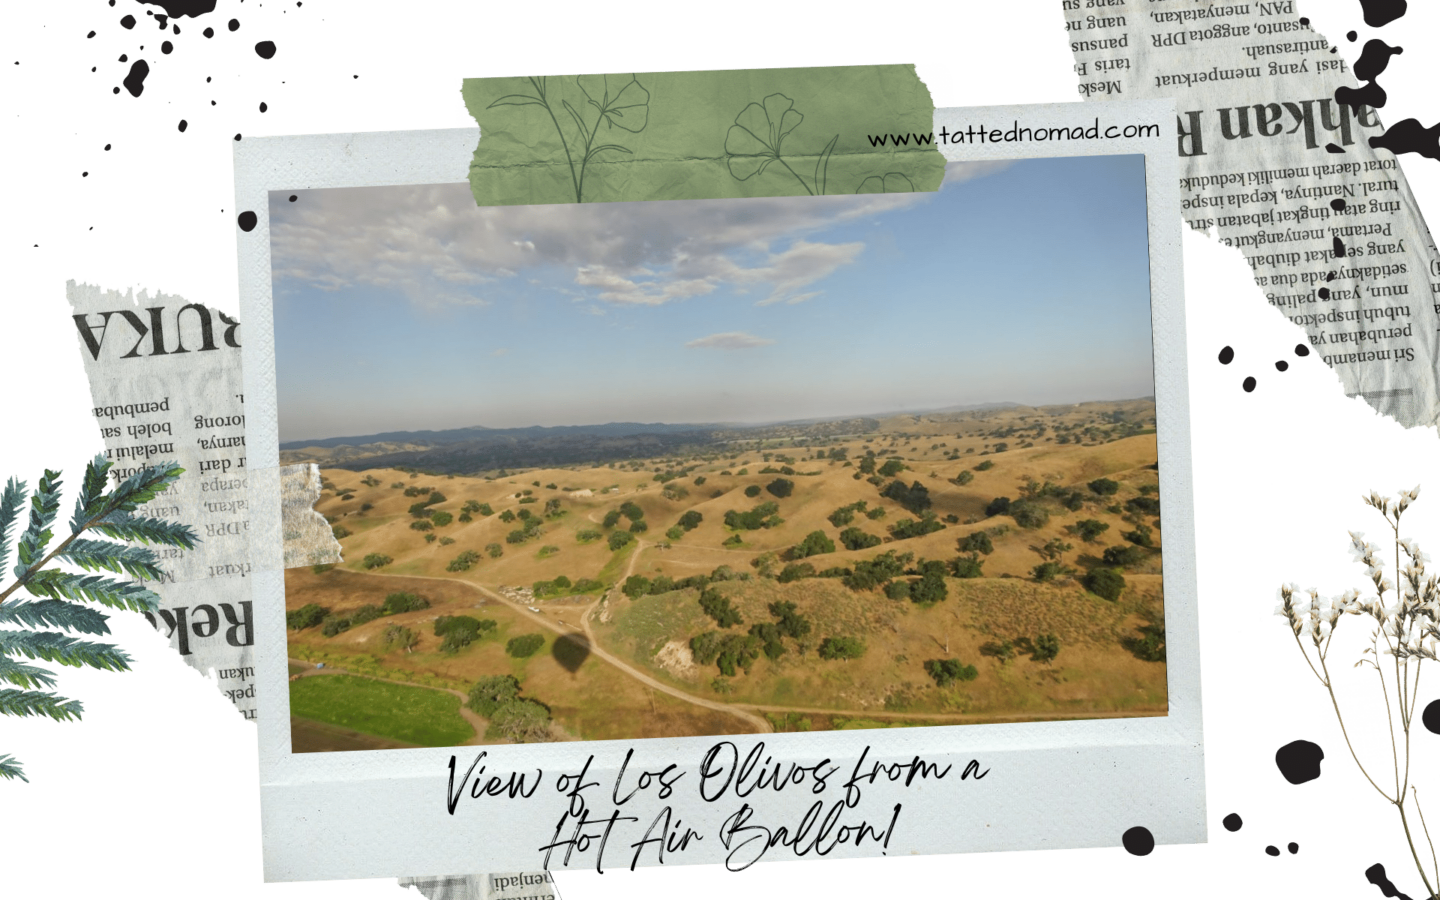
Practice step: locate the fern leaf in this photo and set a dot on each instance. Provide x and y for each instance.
(123, 526)
(10, 768)
(44, 504)
(142, 487)
(10, 504)
(25, 676)
(38, 703)
(94, 588)
(92, 493)
(52, 646)
(55, 614)
(93, 555)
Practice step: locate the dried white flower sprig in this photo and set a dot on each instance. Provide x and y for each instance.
(1405, 632)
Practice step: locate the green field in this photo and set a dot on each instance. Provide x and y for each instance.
(411, 714)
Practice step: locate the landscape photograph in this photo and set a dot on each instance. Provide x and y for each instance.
(630, 470)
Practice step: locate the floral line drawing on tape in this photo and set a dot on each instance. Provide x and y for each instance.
(1406, 629)
(758, 136)
(111, 514)
(632, 100)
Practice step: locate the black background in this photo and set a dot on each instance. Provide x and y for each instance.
(157, 788)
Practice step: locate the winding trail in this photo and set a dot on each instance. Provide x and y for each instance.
(760, 723)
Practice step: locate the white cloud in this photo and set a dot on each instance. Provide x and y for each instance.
(730, 340)
(432, 243)
(956, 172)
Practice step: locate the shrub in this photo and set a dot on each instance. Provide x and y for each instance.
(1124, 556)
(1088, 530)
(1105, 582)
(339, 531)
(402, 602)
(307, 616)
(814, 544)
(507, 516)
(876, 513)
(547, 551)
(898, 590)
(795, 572)
(588, 586)
(870, 574)
(588, 535)
(948, 671)
(495, 550)
(965, 477)
(421, 525)
(690, 520)
(727, 651)
(1104, 486)
(464, 562)
(636, 586)
(399, 637)
(611, 519)
(1029, 514)
(781, 487)
(984, 466)
(1047, 647)
(465, 517)
(967, 566)
(1048, 571)
(854, 539)
(892, 467)
(521, 721)
(485, 510)
(841, 648)
(762, 516)
(1149, 506)
(717, 606)
(631, 511)
(904, 529)
(1141, 536)
(699, 480)
(440, 518)
(915, 498)
(733, 540)
(790, 623)
(639, 527)
(375, 560)
(752, 490)
(998, 507)
(524, 645)
(674, 532)
(620, 539)
(515, 537)
(976, 542)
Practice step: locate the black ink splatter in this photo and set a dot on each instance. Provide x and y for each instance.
(1227, 354)
(1379, 13)
(183, 126)
(166, 48)
(1293, 847)
(293, 198)
(1232, 822)
(265, 49)
(264, 106)
(1272, 850)
(1376, 876)
(90, 35)
(127, 22)
(1339, 248)
(247, 220)
(1138, 840)
(1299, 761)
(208, 32)
(1351, 36)
(237, 135)
(124, 57)
(1334, 148)
(233, 25)
(1371, 94)
(1431, 717)
(135, 81)
(1374, 58)
(177, 8)
(1409, 136)
(1248, 384)
(1337, 204)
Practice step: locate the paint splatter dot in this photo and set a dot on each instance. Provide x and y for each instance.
(1323, 293)
(293, 198)
(1334, 148)
(1351, 36)
(1227, 354)
(90, 35)
(183, 126)
(1138, 840)
(124, 57)
(167, 47)
(1232, 822)
(264, 106)
(1282, 365)
(1272, 850)
(1293, 847)
(1304, 21)
(1431, 717)
(1337, 204)
(1409, 136)
(265, 49)
(117, 90)
(208, 32)
(1379, 13)
(1302, 350)
(1248, 384)
(135, 81)
(1339, 248)
(84, 174)
(1299, 761)
(107, 146)
(247, 220)
(237, 135)
(127, 22)
(234, 25)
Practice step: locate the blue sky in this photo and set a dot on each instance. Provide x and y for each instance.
(407, 308)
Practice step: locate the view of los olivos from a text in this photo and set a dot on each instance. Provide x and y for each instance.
(631, 470)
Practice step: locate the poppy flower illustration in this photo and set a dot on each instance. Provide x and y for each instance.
(627, 108)
(890, 183)
(755, 140)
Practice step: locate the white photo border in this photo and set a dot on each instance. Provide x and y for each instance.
(1051, 785)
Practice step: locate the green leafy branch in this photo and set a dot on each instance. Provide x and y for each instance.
(627, 108)
(60, 593)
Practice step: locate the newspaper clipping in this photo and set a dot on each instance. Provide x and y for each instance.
(1276, 161)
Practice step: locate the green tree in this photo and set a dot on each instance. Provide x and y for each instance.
(964, 478)
(1125, 556)
(495, 550)
(524, 645)
(946, 672)
(854, 539)
(307, 616)
(814, 544)
(1104, 486)
(521, 721)
(867, 465)
(440, 518)
(967, 566)
(1104, 582)
(976, 542)
(631, 511)
(402, 602)
(639, 527)
(421, 525)
(507, 516)
(491, 692)
(892, 467)
(611, 519)
(985, 466)
(619, 539)
(398, 637)
(375, 560)
(690, 520)
(752, 490)
(636, 586)
(1052, 549)
(781, 487)
(587, 535)
(841, 648)
(1088, 530)
(1047, 647)
(1142, 536)
(1028, 514)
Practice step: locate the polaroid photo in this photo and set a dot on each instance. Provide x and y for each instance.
(726, 531)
